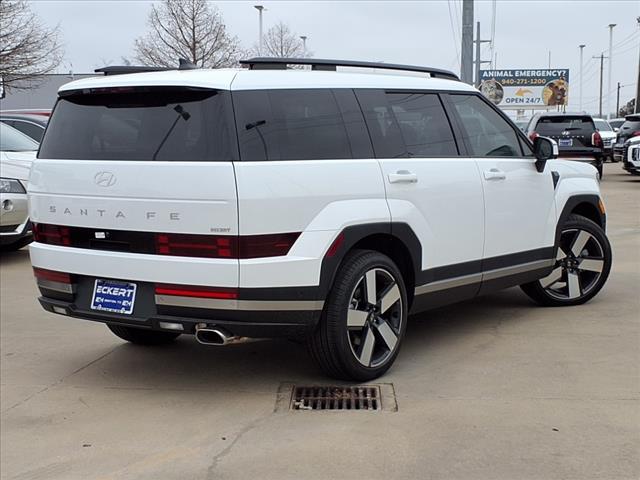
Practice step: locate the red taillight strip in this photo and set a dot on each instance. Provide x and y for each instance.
(197, 292)
(51, 275)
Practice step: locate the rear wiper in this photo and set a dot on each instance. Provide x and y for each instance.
(182, 113)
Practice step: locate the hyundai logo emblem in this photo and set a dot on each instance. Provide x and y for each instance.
(105, 179)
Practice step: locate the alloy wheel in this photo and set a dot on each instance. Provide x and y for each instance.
(374, 317)
(580, 262)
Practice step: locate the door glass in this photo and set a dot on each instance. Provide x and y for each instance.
(423, 124)
(381, 122)
(487, 133)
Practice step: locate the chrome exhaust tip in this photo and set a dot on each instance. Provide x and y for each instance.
(213, 335)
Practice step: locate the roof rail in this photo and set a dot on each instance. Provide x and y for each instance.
(123, 69)
(273, 63)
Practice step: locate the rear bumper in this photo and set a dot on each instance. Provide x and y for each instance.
(14, 218)
(272, 317)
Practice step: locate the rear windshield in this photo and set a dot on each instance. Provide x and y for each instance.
(151, 123)
(11, 140)
(558, 124)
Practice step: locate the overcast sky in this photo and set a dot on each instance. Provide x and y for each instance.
(419, 32)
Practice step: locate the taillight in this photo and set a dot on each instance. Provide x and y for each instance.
(596, 139)
(636, 133)
(184, 245)
(197, 291)
(51, 275)
(533, 136)
(225, 246)
(51, 234)
(272, 245)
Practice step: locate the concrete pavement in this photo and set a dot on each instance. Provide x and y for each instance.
(494, 388)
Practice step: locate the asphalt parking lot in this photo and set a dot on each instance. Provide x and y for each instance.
(494, 388)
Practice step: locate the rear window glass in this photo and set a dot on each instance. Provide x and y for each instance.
(11, 140)
(163, 124)
(565, 122)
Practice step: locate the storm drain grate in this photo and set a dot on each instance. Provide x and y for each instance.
(334, 397)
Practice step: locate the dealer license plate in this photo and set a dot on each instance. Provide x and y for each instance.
(565, 142)
(113, 296)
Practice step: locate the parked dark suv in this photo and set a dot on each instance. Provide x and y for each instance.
(630, 128)
(576, 134)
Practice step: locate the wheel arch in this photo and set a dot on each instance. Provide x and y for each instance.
(395, 240)
(587, 206)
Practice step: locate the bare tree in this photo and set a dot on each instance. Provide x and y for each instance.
(280, 41)
(28, 49)
(189, 29)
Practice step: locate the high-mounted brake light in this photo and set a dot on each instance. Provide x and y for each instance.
(51, 234)
(197, 292)
(51, 275)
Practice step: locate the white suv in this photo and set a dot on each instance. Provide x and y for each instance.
(317, 204)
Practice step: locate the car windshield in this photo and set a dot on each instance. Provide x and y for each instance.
(602, 125)
(11, 140)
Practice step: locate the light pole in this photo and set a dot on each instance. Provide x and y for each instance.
(609, 89)
(581, 68)
(260, 8)
(304, 44)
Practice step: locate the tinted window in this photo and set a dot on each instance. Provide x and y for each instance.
(423, 124)
(11, 140)
(290, 125)
(381, 122)
(30, 129)
(487, 134)
(147, 124)
(556, 124)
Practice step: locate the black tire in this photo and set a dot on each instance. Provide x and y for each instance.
(140, 336)
(12, 247)
(600, 170)
(361, 352)
(590, 278)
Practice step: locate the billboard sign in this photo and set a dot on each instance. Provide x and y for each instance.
(526, 88)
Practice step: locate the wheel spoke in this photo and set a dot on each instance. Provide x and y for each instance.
(591, 264)
(389, 298)
(561, 254)
(388, 335)
(356, 318)
(580, 241)
(552, 278)
(370, 283)
(367, 347)
(573, 282)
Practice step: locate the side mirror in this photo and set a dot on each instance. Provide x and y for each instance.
(544, 149)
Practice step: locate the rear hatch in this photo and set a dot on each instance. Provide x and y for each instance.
(574, 133)
(129, 167)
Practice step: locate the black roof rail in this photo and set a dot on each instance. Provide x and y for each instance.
(123, 69)
(274, 63)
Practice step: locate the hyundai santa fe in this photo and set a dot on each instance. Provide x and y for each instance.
(322, 204)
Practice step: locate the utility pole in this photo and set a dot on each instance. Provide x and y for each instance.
(478, 61)
(581, 70)
(601, 75)
(260, 8)
(618, 100)
(466, 54)
(637, 107)
(609, 86)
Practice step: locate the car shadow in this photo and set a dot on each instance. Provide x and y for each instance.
(11, 257)
(260, 366)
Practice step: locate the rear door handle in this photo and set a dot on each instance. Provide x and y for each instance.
(403, 176)
(494, 174)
